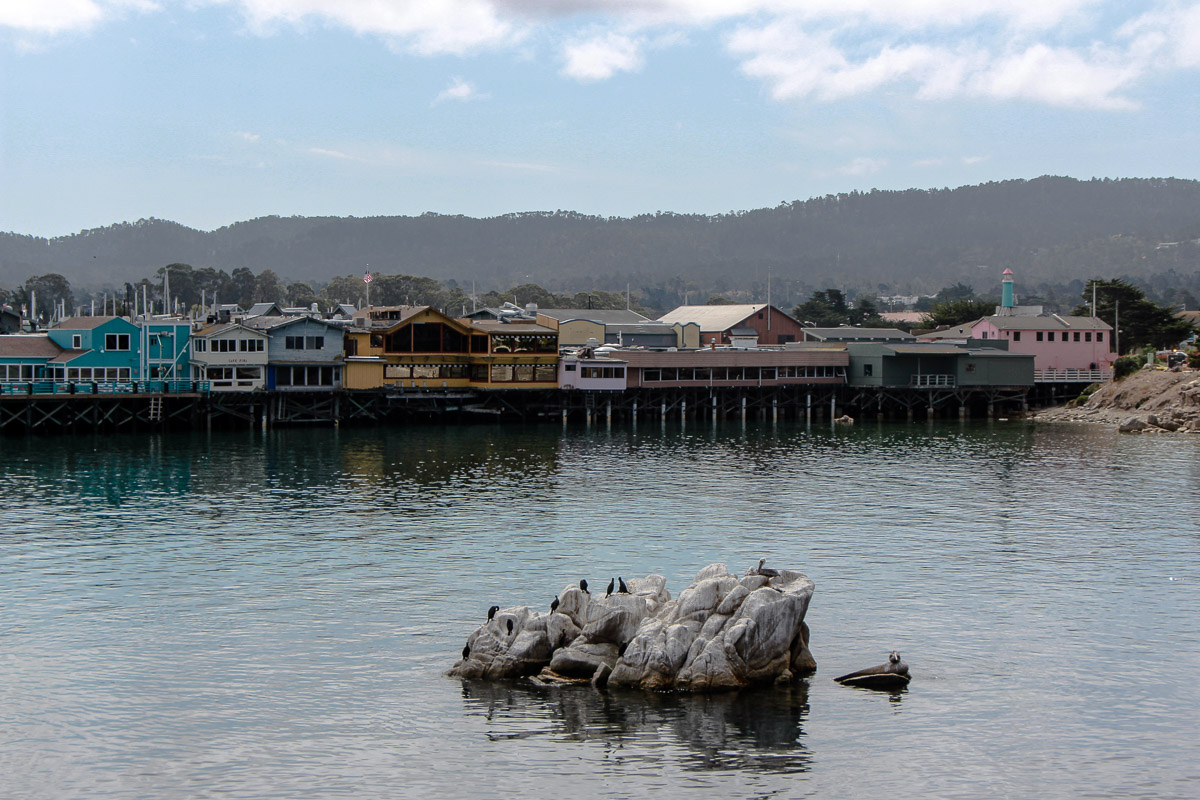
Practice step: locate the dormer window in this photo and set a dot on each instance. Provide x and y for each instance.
(76, 341)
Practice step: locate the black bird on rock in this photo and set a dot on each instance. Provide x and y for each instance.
(624, 589)
(554, 605)
(510, 626)
(611, 584)
(492, 612)
(466, 652)
(583, 587)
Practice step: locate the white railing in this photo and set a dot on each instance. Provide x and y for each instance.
(1072, 375)
(923, 381)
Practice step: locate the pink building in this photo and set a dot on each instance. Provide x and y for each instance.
(1065, 348)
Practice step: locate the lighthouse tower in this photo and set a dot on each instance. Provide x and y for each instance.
(1007, 299)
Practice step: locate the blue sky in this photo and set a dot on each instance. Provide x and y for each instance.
(212, 111)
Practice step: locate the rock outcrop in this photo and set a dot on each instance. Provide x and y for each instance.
(1148, 401)
(722, 632)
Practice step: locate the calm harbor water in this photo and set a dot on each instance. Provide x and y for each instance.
(259, 615)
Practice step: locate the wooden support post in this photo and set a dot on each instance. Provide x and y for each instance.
(808, 407)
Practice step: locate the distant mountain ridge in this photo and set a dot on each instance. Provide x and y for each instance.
(1047, 229)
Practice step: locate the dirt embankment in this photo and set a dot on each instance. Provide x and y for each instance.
(1151, 400)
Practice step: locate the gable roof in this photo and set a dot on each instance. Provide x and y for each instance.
(852, 334)
(621, 316)
(83, 323)
(1048, 322)
(265, 309)
(267, 323)
(28, 345)
(713, 319)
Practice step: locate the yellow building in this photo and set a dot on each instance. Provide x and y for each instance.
(418, 347)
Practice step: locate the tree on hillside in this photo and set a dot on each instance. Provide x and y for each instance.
(948, 313)
(49, 289)
(240, 288)
(345, 289)
(268, 288)
(824, 309)
(1142, 322)
(301, 294)
(183, 284)
(718, 300)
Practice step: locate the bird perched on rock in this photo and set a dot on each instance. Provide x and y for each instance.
(583, 587)
(624, 589)
(766, 573)
(611, 584)
(492, 612)
(554, 605)
(510, 626)
(466, 652)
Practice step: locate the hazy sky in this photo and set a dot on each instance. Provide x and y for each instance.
(212, 111)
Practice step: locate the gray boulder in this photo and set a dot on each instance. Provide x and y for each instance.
(722, 632)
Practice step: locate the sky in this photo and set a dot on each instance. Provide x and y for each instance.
(208, 112)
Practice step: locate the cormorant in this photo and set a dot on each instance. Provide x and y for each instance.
(611, 584)
(492, 612)
(583, 587)
(766, 573)
(466, 652)
(624, 589)
(510, 626)
(554, 605)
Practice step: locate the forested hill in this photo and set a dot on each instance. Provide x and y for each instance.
(1047, 229)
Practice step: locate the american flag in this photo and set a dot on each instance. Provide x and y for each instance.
(368, 277)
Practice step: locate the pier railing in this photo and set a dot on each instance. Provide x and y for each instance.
(929, 381)
(1072, 375)
(30, 388)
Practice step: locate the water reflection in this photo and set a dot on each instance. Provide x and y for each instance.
(760, 730)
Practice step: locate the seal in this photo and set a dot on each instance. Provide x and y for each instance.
(886, 677)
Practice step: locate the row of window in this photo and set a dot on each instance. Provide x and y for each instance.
(426, 371)
(308, 376)
(304, 343)
(602, 372)
(16, 372)
(1048, 336)
(229, 345)
(740, 373)
(229, 373)
(107, 374)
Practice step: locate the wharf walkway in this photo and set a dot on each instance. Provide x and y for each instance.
(50, 408)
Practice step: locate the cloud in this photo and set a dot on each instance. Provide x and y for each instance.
(600, 57)
(53, 17)
(246, 136)
(862, 166)
(458, 89)
(1077, 54)
(424, 27)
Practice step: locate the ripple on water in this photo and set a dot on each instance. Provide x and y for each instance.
(270, 615)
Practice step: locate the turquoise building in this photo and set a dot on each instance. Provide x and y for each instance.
(97, 349)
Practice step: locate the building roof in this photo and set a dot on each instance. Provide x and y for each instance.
(270, 323)
(489, 326)
(957, 332)
(28, 345)
(223, 327)
(602, 316)
(848, 333)
(66, 356)
(260, 309)
(1049, 322)
(713, 319)
(660, 328)
(83, 323)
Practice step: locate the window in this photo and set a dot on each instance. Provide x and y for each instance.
(1087, 337)
(116, 341)
(1016, 336)
(985, 335)
(1099, 336)
(76, 342)
(1077, 336)
(250, 345)
(1040, 336)
(970, 368)
(569, 367)
(1050, 336)
(200, 346)
(351, 346)
(314, 342)
(868, 370)
(397, 371)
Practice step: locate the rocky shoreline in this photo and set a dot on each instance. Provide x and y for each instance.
(1148, 401)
